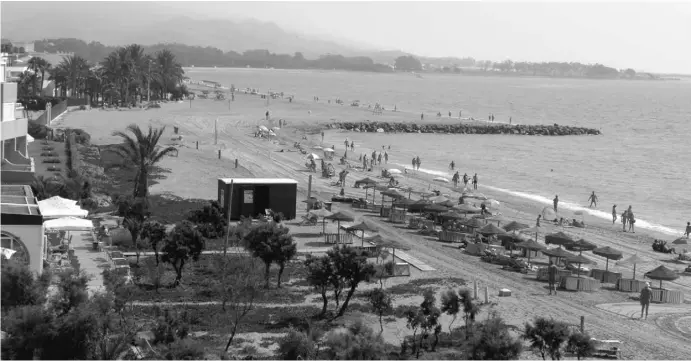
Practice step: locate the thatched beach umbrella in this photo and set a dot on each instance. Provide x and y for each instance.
(340, 217)
(474, 223)
(381, 242)
(438, 199)
(609, 253)
(366, 182)
(514, 226)
(403, 203)
(364, 227)
(530, 245)
(559, 238)
(491, 229)
(634, 260)
(434, 208)
(514, 238)
(447, 203)
(662, 273)
(466, 208)
(580, 246)
(451, 215)
(580, 259)
(558, 253)
(394, 194)
(322, 212)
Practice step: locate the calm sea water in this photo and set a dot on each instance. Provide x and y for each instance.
(642, 159)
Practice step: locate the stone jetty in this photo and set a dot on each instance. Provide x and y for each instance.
(465, 128)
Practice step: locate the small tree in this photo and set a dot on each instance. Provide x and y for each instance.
(381, 303)
(296, 345)
(319, 274)
(470, 309)
(210, 219)
(155, 232)
(134, 226)
(581, 344)
(272, 244)
(71, 292)
(429, 317)
(493, 342)
(241, 284)
(183, 244)
(546, 336)
(20, 287)
(352, 268)
(358, 343)
(413, 321)
(451, 305)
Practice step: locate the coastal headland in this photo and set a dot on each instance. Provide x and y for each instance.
(193, 174)
(465, 128)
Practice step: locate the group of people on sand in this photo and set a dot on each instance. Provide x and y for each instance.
(457, 177)
(416, 163)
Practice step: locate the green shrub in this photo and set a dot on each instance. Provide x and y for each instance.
(53, 168)
(296, 345)
(52, 160)
(49, 154)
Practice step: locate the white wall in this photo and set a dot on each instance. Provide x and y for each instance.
(32, 237)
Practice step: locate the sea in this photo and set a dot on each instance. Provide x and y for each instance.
(642, 158)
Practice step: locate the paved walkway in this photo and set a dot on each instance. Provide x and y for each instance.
(633, 309)
(414, 261)
(90, 261)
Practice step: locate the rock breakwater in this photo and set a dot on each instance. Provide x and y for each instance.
(465, 128)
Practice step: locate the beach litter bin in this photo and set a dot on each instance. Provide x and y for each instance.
(504, 292)
(328, 205)
(95, 245)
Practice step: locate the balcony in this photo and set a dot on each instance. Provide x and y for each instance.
(11, 126)
(9, 92)
(17, 173)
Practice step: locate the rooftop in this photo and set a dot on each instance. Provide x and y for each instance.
(258, 180)
(30, 210)
(16, 190)
(18, 199)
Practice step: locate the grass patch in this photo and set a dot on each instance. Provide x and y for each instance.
(418, 286)
(201, 282)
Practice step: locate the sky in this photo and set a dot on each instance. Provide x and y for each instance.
(645, 36)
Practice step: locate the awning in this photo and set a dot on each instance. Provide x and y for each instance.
(58, 207)
(69, 224)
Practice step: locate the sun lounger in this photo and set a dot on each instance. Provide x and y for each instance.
(309, 221)
(607, 348)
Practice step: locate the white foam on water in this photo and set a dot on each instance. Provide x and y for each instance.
(640, 223)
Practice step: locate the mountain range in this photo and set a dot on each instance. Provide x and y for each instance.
(106, 23)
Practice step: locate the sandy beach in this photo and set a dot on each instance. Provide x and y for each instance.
(194, 173)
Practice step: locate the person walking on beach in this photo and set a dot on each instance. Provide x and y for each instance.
(414, 163)
(475, 181)
(537, 222)
(449, 114)
(465, 180)
(624, 218)
(386, 157)
(509, 120)
(593, 200)
(631, 221)
(455, 178)
(645, 299)
(346, 143)
(688, 229)
(556, 202)
(267, 115)
(614, 213)
(422, 116)
(379, 158)
(452, 165)
(352, 145)
(552, 272)
(460, 114)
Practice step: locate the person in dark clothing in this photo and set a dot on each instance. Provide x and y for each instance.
(645, 299)
(556, 202)
(537, 223)
(422, 116)
(475, 181)
(552, 272)
(418, 162)
(688, 229)
(614, 213)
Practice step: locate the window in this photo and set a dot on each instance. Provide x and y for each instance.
(12, 242)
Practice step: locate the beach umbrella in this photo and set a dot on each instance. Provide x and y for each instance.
(440, 180)
(466, 208)
(609, 253)
(530, 245)
(447, 203)
(340, 217)
(548, 213)
(451, 215)
(479, 196)
(7, 252)
(403, 203)
(364, 227)
(474, 223)
(580, 246)
(313, 156)
(434, 208)
(662, 273)
(328, 150)
(514, 226)
(427, 195)
(393, 193)
(559, 238)
(395, 171)
(387, 243)
(580, 259)
(367, 182)
(558, 253)
(317, 147)
(513, 237)
(323, 213)
(418, 205)
(491, 229)
(491, 203)
(263, 128)
(634, 260)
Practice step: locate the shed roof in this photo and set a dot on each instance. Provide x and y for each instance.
(16, 190)
(258, 180)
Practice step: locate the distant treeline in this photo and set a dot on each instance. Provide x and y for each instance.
(199, 56)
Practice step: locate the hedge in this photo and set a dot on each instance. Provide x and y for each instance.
(37, 103)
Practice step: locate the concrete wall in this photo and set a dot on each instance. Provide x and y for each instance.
(32, 237)
(14, 128)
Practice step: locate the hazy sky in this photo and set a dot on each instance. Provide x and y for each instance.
(646, 36)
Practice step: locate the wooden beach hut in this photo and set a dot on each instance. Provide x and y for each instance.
(251, 197)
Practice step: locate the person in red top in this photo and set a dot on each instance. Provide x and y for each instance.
(645, 299)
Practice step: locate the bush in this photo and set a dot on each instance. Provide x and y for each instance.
(296, 345)
(49, 154)
(38, 131)
(37, 103)
(185, 350)
(80, 136)
(53, 168)
(52, 160)
(82, 107)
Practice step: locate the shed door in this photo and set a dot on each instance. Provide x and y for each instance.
(262, 199)
(247, 207)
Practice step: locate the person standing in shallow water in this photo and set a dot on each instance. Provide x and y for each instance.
(592, 199)
(614, 213)
(418, 162)
(422, 116)
(537, 222)
(624, 217)
(631, 221)
(475, 181)
(556, 202)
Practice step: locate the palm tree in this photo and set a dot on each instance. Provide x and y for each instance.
(59, 75)
(77, 70)
(143, 151)
(38, 65)
(169, 71)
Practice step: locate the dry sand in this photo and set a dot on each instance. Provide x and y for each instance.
(194, 174)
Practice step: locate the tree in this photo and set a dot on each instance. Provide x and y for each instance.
(114, 330)
(71, 292)
(381, 303)
(493, 342)
(38, 65)
(20, 287)
(134, 226)
(272, 244)
(429, 319)
(408, 63)
(320, 270)
(142, 150)
(581, 344)
(358, 343)
(546, 336)
(184, 243)
(155, 232)
(351, 266)
(169, 73)
(240, 287)
(210, 219)
(451, 305)
(28, 330)
(470, 309)
(76, 70)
